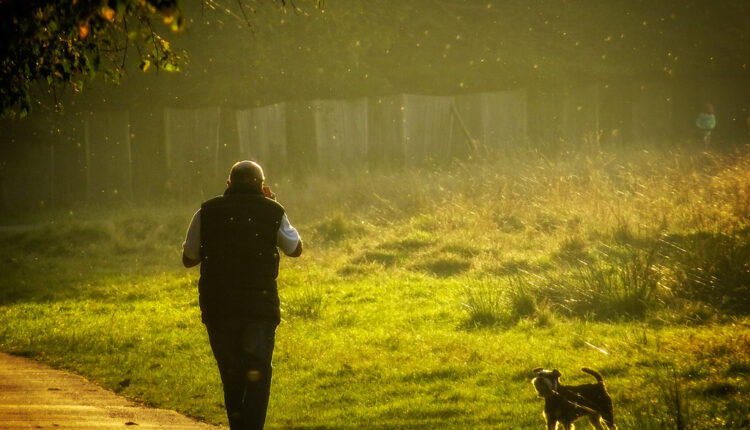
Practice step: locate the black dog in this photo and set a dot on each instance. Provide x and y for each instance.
(567, 403)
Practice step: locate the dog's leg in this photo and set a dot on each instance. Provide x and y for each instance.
(610, 425)
(596, 422)
(551, 424)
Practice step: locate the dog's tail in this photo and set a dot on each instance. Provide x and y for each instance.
(593, 373)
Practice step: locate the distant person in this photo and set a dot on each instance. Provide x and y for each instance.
(234, 237)
(706, 122)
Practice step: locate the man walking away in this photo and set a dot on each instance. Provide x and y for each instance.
(234, 237)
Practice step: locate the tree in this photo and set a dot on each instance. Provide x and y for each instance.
(52, 45)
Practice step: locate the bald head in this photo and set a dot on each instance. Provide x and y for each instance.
(246, 172)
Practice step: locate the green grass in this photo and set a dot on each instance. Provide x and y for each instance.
(425, 297)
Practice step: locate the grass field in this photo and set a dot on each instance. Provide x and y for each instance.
(425, 297)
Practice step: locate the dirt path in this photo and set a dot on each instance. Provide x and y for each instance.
(34, 396)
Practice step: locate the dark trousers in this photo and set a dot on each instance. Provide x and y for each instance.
(243, 352)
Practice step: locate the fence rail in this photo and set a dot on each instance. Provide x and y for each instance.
(179, 153)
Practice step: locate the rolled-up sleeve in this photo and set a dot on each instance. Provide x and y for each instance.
(192, 245)
(287, 237)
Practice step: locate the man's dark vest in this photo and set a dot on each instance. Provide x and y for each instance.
(239, 259)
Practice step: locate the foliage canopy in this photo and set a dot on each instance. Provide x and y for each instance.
(57, 44)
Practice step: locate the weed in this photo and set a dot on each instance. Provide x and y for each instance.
(547, 222)
(718, 389)
(513, 267)
(572, 249)
(425, 223)
(654, 245)
(675, 402)
(739, 368)
(544, 316)
(484, 303)
(384, 257)
(714, 268)
(689, 312)
(336, 227)
(304, 302)
(490, 302)
(510, 223)
(622, 234)
(460, 249)
(352, 270)
(520, 297)
(624, 287)
(410, 243)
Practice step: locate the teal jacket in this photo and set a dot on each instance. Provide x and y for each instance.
(706, 121)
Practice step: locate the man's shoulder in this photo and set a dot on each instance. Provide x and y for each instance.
(256, 199)
(211, 201)
(273, 203)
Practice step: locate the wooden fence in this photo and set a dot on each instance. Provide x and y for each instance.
(182, 154)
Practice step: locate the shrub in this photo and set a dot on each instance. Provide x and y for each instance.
(520, 298)
(484, 304)
(490, 302)
(621, 286)
(714, 268)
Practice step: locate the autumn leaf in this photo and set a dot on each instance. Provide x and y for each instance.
(108, 13)
(83, 30)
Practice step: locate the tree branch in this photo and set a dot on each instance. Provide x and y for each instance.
(244, 15)
(125, 53)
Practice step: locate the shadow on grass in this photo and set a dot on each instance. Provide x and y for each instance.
(78, 259)
(444, 265)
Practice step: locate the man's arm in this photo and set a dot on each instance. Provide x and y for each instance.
(192, 247)
(189, 262)
(298, 250)
(287, 238)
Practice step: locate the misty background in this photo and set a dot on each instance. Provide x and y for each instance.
(372, 85)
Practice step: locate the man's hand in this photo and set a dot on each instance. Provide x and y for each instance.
(268, 193)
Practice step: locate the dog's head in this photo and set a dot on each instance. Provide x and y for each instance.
(546, 381)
